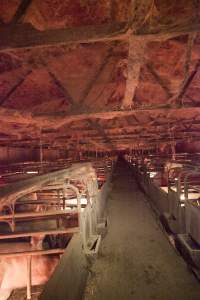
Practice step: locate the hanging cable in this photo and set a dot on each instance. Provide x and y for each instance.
(41, 153)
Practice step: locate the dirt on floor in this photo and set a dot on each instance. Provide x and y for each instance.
(20, 294)
(136, 260)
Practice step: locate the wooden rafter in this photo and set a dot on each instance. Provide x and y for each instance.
(61, 87)
(188, 81)
(159, 80)
(92, 123)
(102, 133)
(56, 120)
(18, 83)
(118, 142)
(113, 9)
(140, 133)
(122, 135)
(95, 78)
(21, 11)
(148, 127)
(184, 84)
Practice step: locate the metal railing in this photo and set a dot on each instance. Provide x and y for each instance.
(90, 219)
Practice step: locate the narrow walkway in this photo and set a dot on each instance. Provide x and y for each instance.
(136, 260)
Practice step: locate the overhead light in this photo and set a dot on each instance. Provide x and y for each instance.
(32, 172)
(73, 201)
(152, 174)
(182, 197)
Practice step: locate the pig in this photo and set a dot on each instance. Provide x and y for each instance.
(37, 242)
(13, 272)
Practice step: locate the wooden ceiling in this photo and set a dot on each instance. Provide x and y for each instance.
(99, 74)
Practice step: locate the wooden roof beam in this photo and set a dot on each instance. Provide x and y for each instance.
(56, 120)
(21, 11)
(61, 87)
(102, 133)
(159, 80)
(18, 83)
(178, 97)
(31, 37)
(95, 78)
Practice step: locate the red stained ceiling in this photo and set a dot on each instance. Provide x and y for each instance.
(67, 77)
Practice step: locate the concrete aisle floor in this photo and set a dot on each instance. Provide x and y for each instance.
(136, 260)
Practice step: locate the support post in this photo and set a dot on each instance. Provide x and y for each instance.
(41, 156)
(29, 279)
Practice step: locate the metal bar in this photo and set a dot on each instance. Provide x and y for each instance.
(11, 192)
(44, 232)
(32, 253)
(29, 277)
(47, 202)
(37, 214)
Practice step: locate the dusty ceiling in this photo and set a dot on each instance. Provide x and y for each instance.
(99, 74)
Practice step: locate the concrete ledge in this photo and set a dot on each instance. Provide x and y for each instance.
(93, 246)
(69, 279)
(170, 223)
(102, 225)
(189, 249)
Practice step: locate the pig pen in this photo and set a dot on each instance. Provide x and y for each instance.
(51, 208)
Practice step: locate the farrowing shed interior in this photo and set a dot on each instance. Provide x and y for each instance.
(99, 149)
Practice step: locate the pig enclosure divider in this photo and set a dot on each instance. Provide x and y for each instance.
(158, 197)
(32, 253)
(10, 193)
(178, 197)
(73, 267)
(176, 210)
(188, 242)
(87, 219)
(29, 281)
(165, 203)
(37, 233)
(178, 206)
(37, 214)
(10, 219)
(192, 204)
